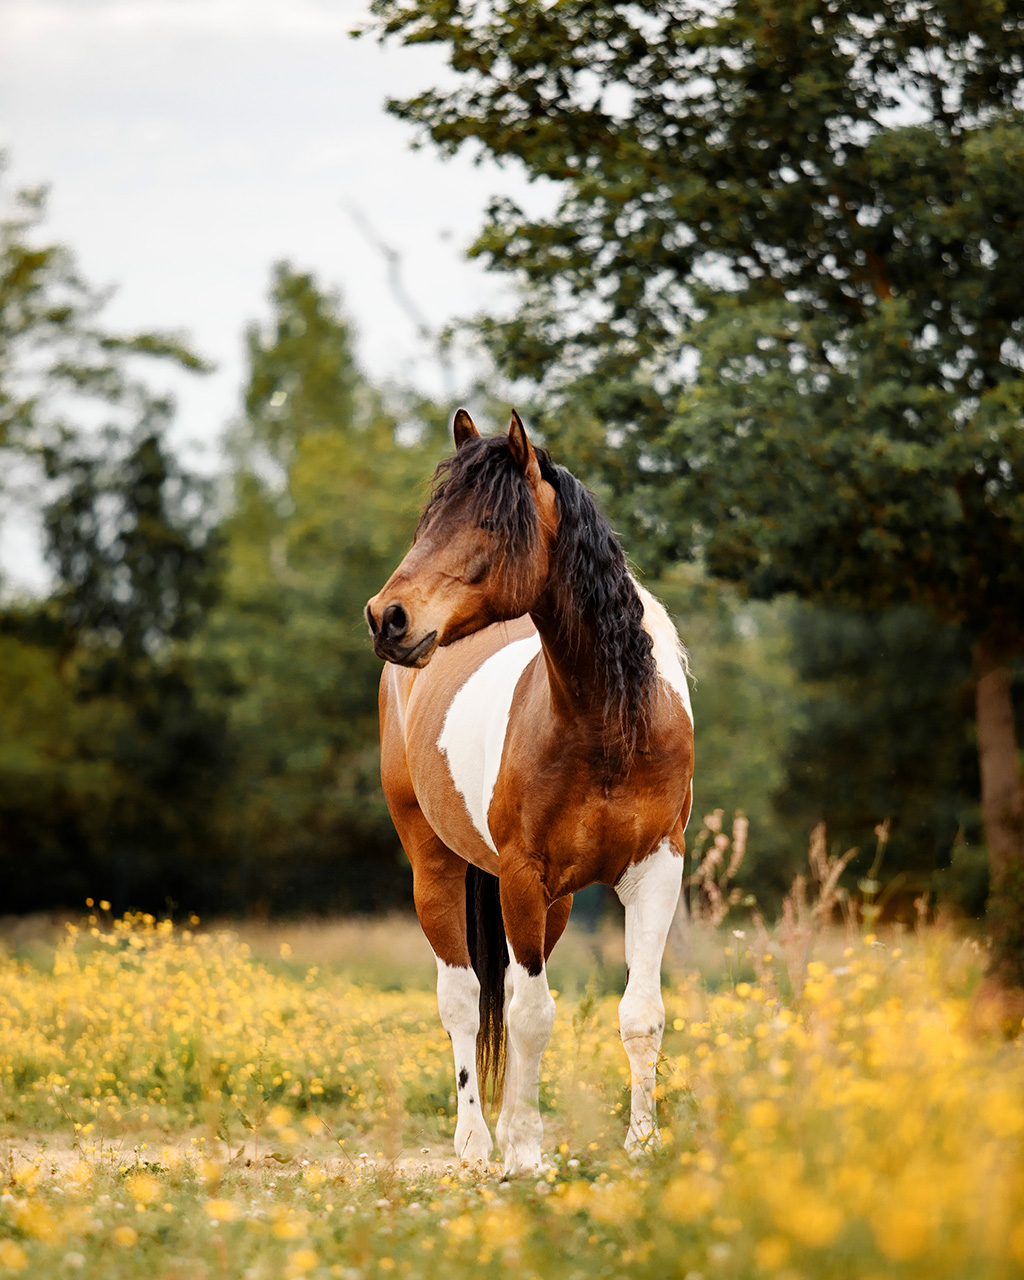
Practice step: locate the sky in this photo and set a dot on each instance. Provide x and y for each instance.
(190, 144)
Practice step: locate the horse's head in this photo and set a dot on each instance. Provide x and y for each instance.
(481, 552)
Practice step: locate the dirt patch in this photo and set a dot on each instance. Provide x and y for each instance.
(56, 1157)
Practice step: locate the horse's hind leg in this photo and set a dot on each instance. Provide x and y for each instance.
(439, 891)
(650, 892)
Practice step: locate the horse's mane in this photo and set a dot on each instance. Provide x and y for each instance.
(601, 606)
(598, 603)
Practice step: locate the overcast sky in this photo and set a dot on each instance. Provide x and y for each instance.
(191, 143)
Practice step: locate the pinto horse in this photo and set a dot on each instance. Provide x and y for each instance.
(536, 738)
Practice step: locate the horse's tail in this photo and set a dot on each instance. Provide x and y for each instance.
(488, 951)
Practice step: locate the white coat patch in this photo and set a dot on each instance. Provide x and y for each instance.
(669, 655)
(473, 735)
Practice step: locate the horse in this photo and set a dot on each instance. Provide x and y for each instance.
(536, 738)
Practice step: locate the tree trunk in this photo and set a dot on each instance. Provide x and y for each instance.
(1002, 812)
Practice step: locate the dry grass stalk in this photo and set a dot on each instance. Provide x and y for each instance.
(710, 894)
(803, 916)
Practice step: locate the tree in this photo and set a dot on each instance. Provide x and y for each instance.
(61, 368)
(785, 282)
(107, 764)
(324, 505)
(747, 706)
(877, 747)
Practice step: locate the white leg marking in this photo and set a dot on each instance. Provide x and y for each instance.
(458, 1002)
(531, 1015)
(650, 891)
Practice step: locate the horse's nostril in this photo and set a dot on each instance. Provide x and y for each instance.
(371, 621)
(394, 624)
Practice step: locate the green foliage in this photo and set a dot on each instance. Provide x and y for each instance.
(107, 764)
(746, 704)
(864, 484)
(324, 506)
(125, 537)
(886, 736)
(823, 201)
(1007, 924)
(190, 715)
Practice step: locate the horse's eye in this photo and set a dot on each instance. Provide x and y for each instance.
(478, 570)
(488, 523)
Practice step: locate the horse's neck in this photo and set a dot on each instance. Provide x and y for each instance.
(576, 684)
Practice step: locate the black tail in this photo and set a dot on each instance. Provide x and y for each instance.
(488, 951)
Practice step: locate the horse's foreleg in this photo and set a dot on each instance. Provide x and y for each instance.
(530, 1015)
(650, 892)
(557, 918)
(458, 1002)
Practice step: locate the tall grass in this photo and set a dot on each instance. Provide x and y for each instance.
(191, 1102)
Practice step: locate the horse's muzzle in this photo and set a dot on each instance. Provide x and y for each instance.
(389, 634)
(416, 655)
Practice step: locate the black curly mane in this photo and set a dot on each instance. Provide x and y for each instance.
(483, 483)
(597, 604)
(600, 608)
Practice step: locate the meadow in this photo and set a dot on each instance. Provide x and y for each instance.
(276, 1101)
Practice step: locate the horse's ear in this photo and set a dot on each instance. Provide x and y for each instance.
(522, 449)
(464, 428)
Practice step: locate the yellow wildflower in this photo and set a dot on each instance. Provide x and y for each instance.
(221, 1210)
(299, 1262)
(689, 1198)
(764, 1115)
(278, 1116)
(810, 1219)
(903, 1231)
(37, 1221)
(771, 1253)
(143, 1188)
(614, 1202)
(12, 1256)
(288, 1225)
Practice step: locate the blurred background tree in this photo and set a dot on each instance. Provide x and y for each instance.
(107, 765)
(777, 313)
(189, 713)
(886, 728)
(326, 485)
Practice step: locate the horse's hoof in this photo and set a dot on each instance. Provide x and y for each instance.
(476, 1149)
(480, 1155)
(522, 1162)
(640, 1144)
